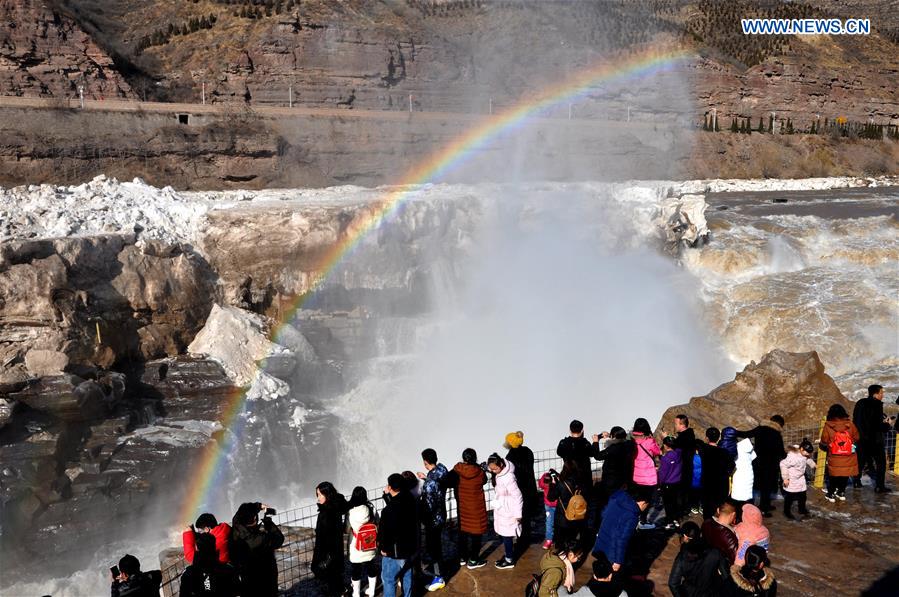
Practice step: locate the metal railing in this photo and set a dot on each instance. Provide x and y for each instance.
(294, 558)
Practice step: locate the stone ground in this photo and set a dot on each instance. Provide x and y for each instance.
(843, 548)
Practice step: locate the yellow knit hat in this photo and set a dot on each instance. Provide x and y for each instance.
(514, 440)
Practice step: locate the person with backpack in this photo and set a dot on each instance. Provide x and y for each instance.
(750, 532)
(522, 458)
(468, 479)
(571, 511)
(717, 467)
(603, 582)
(398, 534)
(769, 449)
(207, 576)
(577, 449)
(699, 570)
(433, 512)
(206, 523)
(867, 415)
(549, 508)
(132, 582)
(752, 578)
(252, 549)
(669, 479)
(328, 550)
(556, 571)
(646, 477)
(619, 520)
(792, 471)
(508, 506)
(363, 542)
(838, 439)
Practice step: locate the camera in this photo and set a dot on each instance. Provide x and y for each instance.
(269, 511)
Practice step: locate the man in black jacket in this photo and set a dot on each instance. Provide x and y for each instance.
(252, 549)
(686, 442)
(868, 418)
(618, 464)
(577, 449)
(131, 582)
(398, 536)
(717, 467)
(769, 451)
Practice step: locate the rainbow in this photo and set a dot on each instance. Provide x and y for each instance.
(213, 462)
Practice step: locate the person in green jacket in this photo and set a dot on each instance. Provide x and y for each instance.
(557, 570)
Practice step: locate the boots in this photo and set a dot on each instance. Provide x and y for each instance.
(357, 588)
(372, 584)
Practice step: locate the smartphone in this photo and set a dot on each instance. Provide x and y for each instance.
(269, 511)
(114, 571)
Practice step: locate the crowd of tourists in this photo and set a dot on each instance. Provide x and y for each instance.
(714, 492)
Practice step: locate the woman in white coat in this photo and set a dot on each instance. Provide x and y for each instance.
(741, 490)
(363, 534)
(508, 508)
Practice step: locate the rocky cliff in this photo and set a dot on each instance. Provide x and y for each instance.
(44, 52)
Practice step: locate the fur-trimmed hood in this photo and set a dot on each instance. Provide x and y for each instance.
(765, 584)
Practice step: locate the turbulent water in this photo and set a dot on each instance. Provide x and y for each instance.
(552, 302)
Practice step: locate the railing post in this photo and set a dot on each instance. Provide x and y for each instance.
(822, 460)
(896, 454)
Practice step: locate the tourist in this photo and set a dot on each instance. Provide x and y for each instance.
(646, 477)
(577, 449)
(468, 479)
(207, 576)
(549, 509)
(871, 424)
(618, 464)
(753, 578)
(570, 522)
(252, 549)
(769, 451)
(750, 531)
(433, 513)
(741, 488)
(363, 542)
(695, 501)
(686, 443)
(838, 438)
(412, 483)
(557, 570)
(604, 582)
(328, 550)
(729, 441)
(699, 570)
(507, 508)
(669, 480)
(131, 582)
(206, 523)
(619, 519)
(398, 536)
(717, 467)
(523, 460)
(792, 471)
(718, 531)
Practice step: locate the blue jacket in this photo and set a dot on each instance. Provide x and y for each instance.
(619, 519)
(729, 441)
(697, 471)
(433, 498)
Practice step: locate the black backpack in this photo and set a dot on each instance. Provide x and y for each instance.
(533, 588)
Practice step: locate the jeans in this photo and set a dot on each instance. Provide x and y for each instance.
(509, 548)
(550, 521)
(393, 570)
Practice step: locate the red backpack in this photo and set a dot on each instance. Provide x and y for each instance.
(367, 537)
(841, 445)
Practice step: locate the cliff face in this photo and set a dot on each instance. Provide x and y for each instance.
(43, 52)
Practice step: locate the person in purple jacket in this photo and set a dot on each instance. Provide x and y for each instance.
(670, 481)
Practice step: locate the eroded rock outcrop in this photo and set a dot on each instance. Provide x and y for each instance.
(793, 385)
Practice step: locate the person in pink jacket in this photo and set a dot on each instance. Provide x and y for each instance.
(750, 532)
(646, 477)
(792, 471)
(507, 508)
(549, 507)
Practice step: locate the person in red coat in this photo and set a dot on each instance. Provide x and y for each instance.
(468, 479)
(206, 523)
